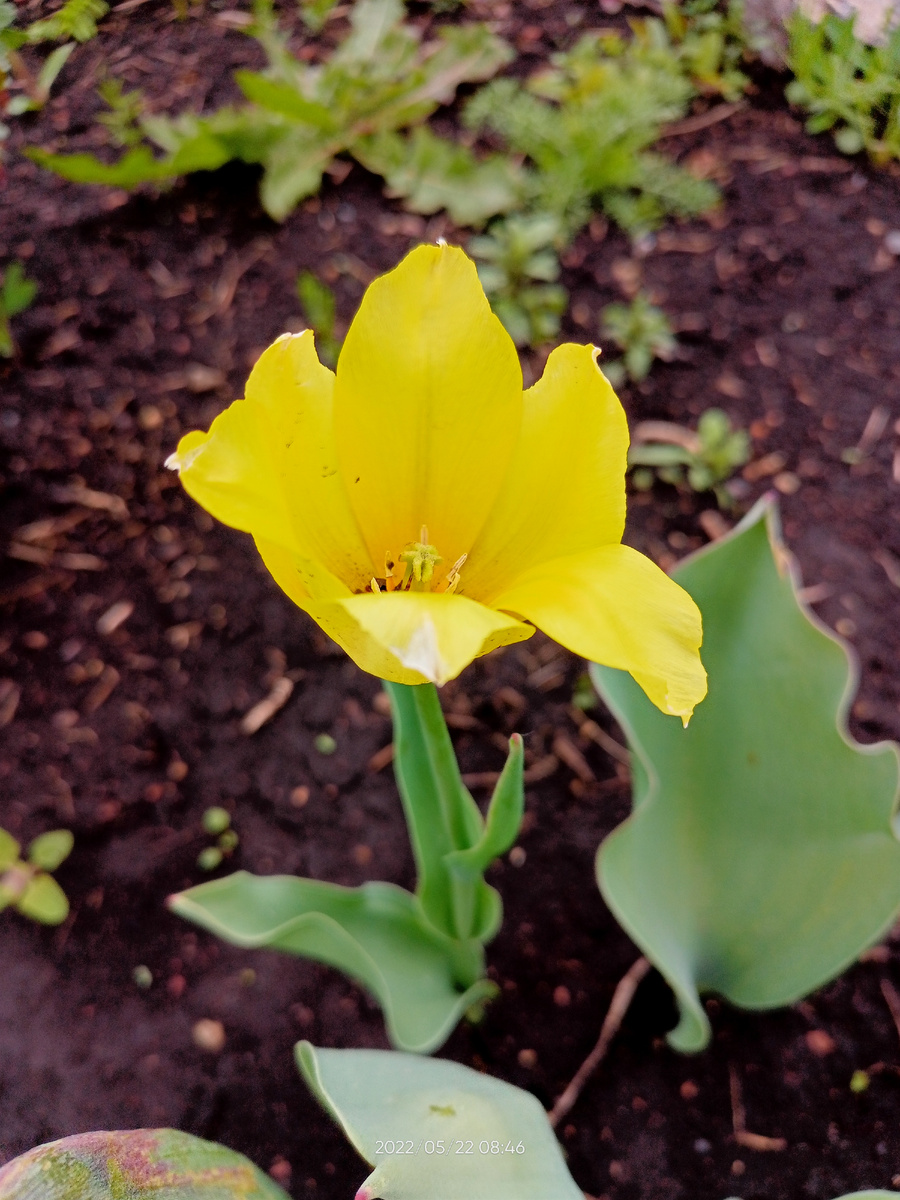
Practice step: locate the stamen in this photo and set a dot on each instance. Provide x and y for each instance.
(374, 586)
(451, 580)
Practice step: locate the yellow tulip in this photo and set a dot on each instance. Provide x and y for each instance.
(424, 510)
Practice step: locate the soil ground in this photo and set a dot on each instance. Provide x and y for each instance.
(151, 311)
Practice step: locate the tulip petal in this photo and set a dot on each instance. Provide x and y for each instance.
(235, 472)
(431, 636)
(427, 405)
(564, 491)
(298, 393)
(614, 606)
(268, 464)
(406, 637)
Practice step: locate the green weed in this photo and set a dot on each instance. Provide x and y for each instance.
(518, 268)
(298, 117)
(701, 461)
(317, 299)
(643, 332)
(17, 293)
(846, 86)
(26, 884)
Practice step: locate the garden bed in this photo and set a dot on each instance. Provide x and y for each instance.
(149, 315)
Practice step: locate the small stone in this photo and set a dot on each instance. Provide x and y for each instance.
(209, 1035)
(702, 1146)
(517, 857)
(216, 820)
(175, 986)
(362, 855)
(281, 1171)
(562, 997)
(527, 1059)
(820, 1042)
(300, 796)
(689, 1090)
(142, 976)
(35, 640)
(325, 743)
(738, 1167)
(892, 242)
(177, 770)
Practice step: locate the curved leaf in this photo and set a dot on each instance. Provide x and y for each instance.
(454, 1133)
(760, 858)
(376, 934)
(141, 1164)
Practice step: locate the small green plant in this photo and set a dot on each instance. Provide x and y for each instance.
(643, 332)
(216, 822)
(586, 126)
(845, 85)
(702, 461)
(317, 299)
(125, 112)
(26, 884)
(297, 118)
(518, 268)
(75, 21)
(708, 41)
(17, 293)
(315, 13)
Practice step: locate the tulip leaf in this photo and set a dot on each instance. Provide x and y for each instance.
(375, 933)
(760, 858)
(436, 1128)
(140, 1164)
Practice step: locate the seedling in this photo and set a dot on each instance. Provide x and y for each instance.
(518, 268)
(216, 821)
(643, 332)
(26, 884)
(16, 294)
(708, 44)
(317, 299)
(701, 461)
(845, 85)
(75, 22)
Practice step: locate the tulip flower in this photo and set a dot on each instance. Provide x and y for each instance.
(424, 510)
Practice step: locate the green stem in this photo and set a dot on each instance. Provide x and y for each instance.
(441, 815)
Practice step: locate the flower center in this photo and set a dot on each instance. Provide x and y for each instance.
(413, 569)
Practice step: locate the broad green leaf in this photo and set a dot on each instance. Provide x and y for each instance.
(50, 849)
(456, 1134)
(376, 934)
(9, 849)
(140, 1164)
(44, 900)
(293, 171)
(283, 99)
(136, 167)
(760, 858)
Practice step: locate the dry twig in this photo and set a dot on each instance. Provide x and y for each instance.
(622, 997)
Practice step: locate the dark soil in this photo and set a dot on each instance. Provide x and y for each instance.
(150, 313)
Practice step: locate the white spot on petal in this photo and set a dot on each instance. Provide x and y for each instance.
(423, 654)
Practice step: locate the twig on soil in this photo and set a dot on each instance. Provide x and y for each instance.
(752, 1141)
(892, 999)
(254, 719)
(693, 124)
(622, 997)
